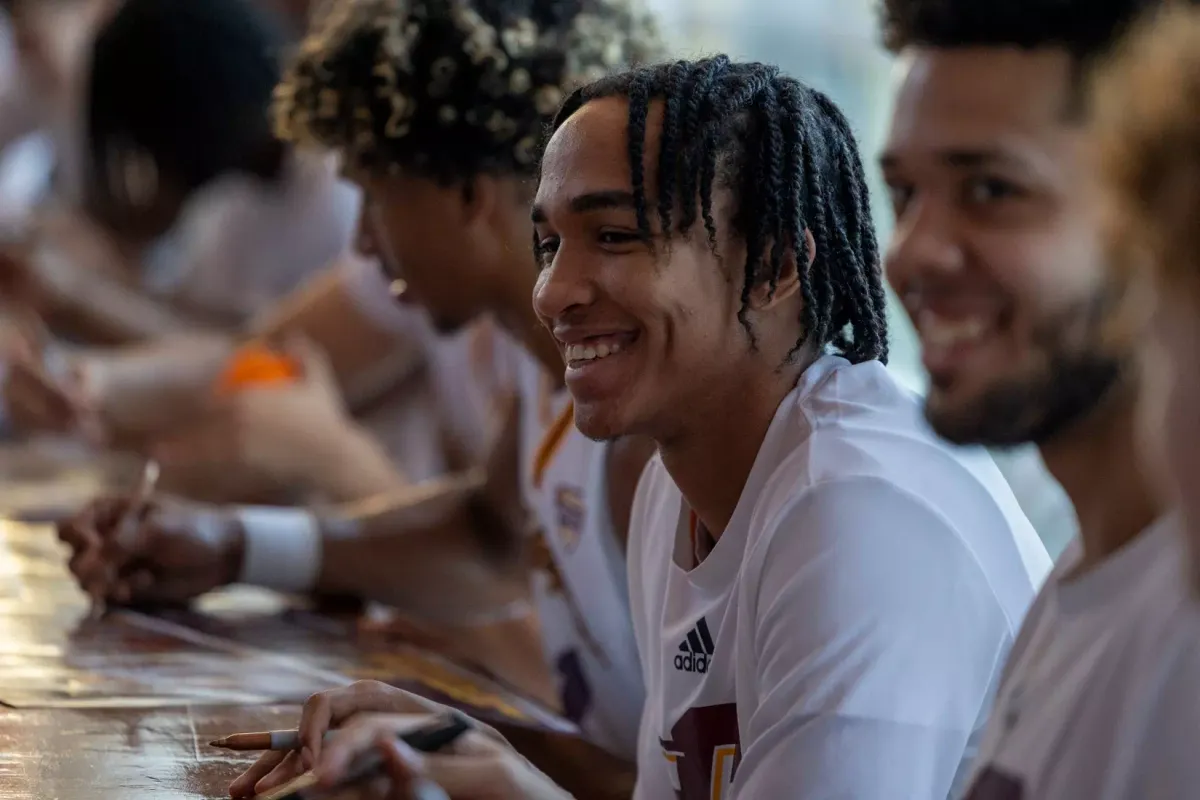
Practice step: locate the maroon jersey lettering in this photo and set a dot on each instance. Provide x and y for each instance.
(993, 785)
(703, 752)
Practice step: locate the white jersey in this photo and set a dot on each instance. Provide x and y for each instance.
(1101, 696)
(844, 637)
(467, 372)
(579, 582)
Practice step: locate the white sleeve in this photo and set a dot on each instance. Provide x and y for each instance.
(635, 557)
(240, 246)
(635, 562)
(876, 642)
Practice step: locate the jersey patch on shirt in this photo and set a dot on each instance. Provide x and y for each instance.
(993, 785)
(703, 752)
(568, 504)
(696, 650)
(574, 692)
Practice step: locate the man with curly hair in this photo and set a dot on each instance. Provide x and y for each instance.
(437, 109)
(998, 258)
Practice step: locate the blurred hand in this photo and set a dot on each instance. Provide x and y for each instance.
(51, 265)
(179, 551)
(142, 391)
(19, 278)
(272, 437)
(321, 712)
(34, 399)
(477, 766)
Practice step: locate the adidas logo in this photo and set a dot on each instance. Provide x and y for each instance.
(696, 650)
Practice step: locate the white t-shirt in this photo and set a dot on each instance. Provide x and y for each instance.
(1101, 696)
(844, 637)
(579, 581)
(241, 244)
(468, 370)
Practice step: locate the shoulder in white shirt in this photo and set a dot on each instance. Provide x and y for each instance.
(845, 635)
(1101, 696)
(241, 244)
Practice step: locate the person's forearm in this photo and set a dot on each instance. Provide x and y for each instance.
(100, 311)
(358, 468)
(81, 274)
(150, 389)
(418, 549)
(438, 573)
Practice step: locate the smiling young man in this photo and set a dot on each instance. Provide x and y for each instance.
(998, 257)
(822, 591)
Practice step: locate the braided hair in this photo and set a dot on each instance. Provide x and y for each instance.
(449, 89)
(787, 154)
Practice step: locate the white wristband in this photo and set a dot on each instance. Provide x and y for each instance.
(282, 548)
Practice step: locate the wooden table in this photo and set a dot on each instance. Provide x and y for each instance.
(123, 707)
(133, 755)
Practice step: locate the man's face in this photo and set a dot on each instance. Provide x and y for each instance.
(417, 229)
(648, 329)
(996, 253)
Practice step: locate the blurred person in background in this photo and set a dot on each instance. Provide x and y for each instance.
(997, 255)
(196, 201)
(1148, 153)
(440, 128)
(205, 220)
(44, 84)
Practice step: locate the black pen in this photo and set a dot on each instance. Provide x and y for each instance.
(429, 739)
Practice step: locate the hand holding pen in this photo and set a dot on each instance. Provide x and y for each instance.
(368, 767)
(371, 719)
(477, 765)
(124, 537)
(129, 547)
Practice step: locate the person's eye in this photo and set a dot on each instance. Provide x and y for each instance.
(618, 238)
(900, 194)
(991, 190)
(544, 250)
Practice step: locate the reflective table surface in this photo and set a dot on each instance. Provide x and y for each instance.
(123, 706)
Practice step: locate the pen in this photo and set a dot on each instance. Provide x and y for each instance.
(127, 526)
(429, 739)
(262, 740)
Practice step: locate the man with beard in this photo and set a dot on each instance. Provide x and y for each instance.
(997, 256)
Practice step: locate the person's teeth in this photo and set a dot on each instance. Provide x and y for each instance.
(940, 332)
(581, 352)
